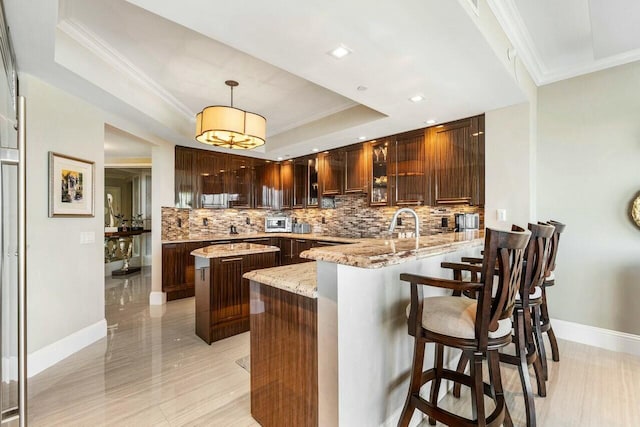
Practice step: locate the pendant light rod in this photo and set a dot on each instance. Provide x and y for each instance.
(231, 84)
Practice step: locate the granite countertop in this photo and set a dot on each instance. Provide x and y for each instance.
(233, 249)
(377, 253)
(299, 279)
(243, 236)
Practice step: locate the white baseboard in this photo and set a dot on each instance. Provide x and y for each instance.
(157, 298)
(51, 354)
(597, 337)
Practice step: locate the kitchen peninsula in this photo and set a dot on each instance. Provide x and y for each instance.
(222, 295)
(341, 337)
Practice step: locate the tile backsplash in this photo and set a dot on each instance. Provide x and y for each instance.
(352, 217)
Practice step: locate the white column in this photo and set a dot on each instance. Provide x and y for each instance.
(162, 175)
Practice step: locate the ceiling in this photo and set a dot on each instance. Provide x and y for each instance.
(153, 64)
(562, 39)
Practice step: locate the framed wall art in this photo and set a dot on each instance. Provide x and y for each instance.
(71, 186)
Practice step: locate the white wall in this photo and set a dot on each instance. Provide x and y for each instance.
(507, 165)
(162, 187)
(65, 278)
(588, 173)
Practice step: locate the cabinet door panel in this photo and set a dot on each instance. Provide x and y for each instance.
(355, 169)
(332, 172)
(184, 178)
(299, 182)
(239, 179)
(172, 266)
(227, 295)
(267, 185)
(313, 190)
(210, 176)
(286, 184)
(380, 171)
(409, 169)
(456, 161)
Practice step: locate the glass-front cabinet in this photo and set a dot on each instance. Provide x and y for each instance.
(299, 182)
(312, 182)
(379, 173)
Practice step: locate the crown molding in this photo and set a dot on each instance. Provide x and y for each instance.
(507, 14)
(511, 22)
(592, 67)
(103, 50)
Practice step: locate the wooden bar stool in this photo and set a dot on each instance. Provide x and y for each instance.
(478, 327)
(526, 332)
(550, 280)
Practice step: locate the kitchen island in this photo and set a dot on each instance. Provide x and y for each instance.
(363, 351)
(221, 293)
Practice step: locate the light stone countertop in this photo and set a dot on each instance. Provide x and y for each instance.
(299, 279)
(243, 236)
(378, 253)
(232, 249)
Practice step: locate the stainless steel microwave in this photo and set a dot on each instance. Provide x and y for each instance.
(277, 224)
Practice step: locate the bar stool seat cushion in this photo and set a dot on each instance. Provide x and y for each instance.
(455, 317)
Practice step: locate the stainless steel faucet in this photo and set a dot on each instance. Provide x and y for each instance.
(392, 226)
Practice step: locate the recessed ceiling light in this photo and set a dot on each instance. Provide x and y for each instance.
(340, 52)
(362, 138)
(326, 152)
(362, 88)
(430, 122)
(315, 150)
(416, 98)
(279, 158)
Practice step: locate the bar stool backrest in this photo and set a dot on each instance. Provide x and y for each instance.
(504, 250)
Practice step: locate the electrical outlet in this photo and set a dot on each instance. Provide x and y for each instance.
(501, 214)
(248, 220)
(324, 221)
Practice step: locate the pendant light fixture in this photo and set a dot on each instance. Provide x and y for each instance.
(230, 127)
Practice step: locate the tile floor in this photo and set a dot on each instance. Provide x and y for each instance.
(151, 370)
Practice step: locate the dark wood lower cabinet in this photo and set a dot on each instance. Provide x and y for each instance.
(284, 357)
(222, 295)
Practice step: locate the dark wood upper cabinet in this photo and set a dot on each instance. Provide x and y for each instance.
(408, 175)
(332, 167)
(210, 191)
(239, 181)
(439, 165)
(286, 184)
(355, 172)
(299, 182)
(267, 187)
(184, 177)
(313, 182)
(456, 155)
(380, 194)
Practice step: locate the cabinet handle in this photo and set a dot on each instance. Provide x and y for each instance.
(232, 259)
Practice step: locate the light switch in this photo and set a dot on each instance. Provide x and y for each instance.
(87, 237)
(501, 214)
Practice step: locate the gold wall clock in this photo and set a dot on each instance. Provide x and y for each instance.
(635, 210)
